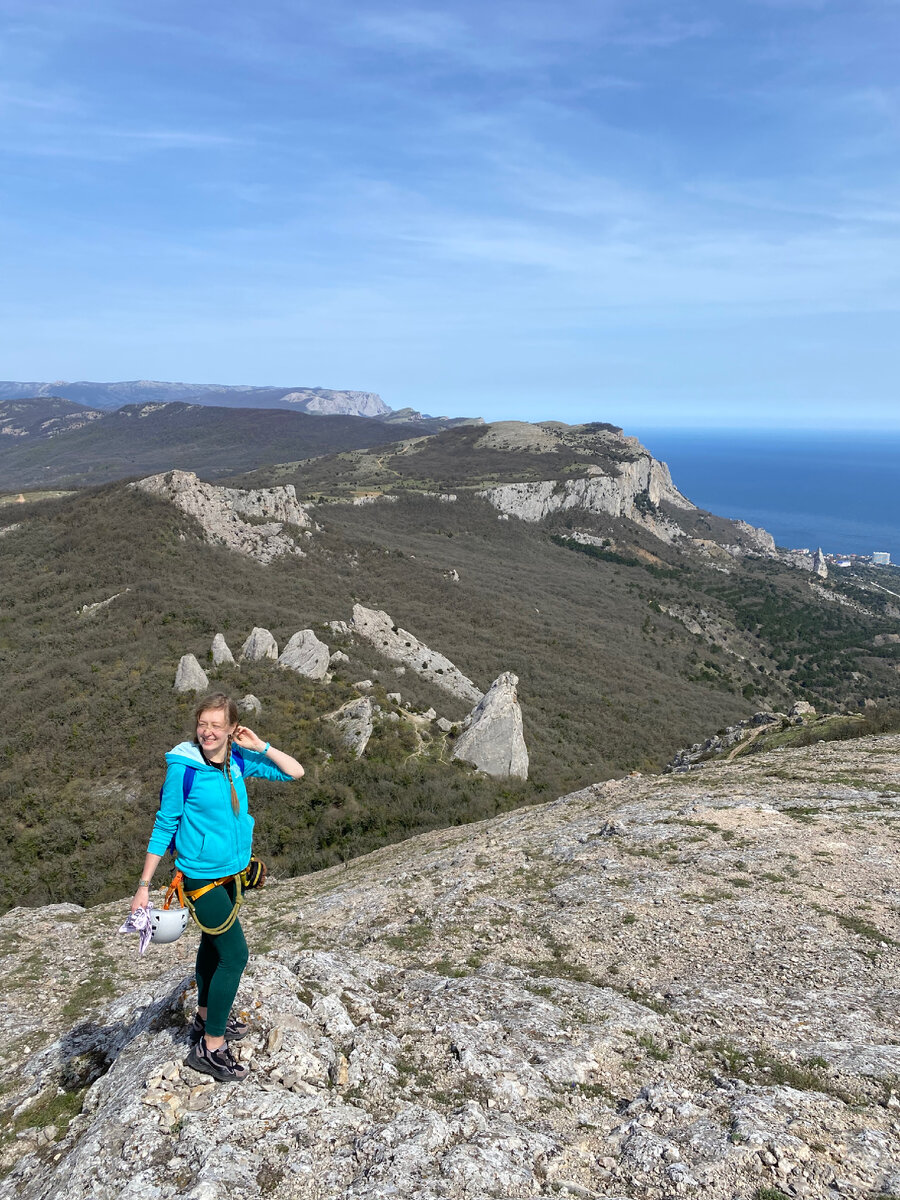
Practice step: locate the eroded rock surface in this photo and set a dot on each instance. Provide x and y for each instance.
(355, 720)
(253, 522)
(494, 741)
(190, 676)
(221, 655)
(306, 655)
(654, 987)
(259, 645)
(400, 646)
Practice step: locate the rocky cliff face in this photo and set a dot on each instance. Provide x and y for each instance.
(227, 515)
(680, 985)
(628, 491)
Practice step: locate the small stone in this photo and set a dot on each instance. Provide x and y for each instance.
(275, 1040)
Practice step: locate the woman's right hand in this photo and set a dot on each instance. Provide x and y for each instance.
(141, 898)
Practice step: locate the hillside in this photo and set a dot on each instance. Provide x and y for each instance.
(142, 438)
(626, 648)
(649, 988)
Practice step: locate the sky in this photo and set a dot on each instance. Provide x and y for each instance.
(639, 211)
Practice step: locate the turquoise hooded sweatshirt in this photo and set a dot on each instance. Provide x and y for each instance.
(210, 839)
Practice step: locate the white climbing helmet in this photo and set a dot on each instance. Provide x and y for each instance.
(168, 924)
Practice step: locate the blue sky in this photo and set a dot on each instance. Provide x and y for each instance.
(628, 210)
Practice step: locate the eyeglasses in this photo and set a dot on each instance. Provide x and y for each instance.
(209, 726)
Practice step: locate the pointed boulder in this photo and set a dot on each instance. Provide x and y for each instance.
(190, 676)
(354, 721)
(306, 655)
(259, 645)
(220, 652)
(494, 742)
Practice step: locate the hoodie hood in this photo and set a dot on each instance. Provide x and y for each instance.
(187, 754)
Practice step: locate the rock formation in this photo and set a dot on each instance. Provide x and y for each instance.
(400, 646)
(190, 676)
(493, 741)
(220, 512)
(654, 987)
(250, 704)
(355, 722)
(635, 490)
(819, 565)
(306, 655)
(259, 645)
(221, 655)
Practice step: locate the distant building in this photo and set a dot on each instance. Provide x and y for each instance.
(844, 562)
(881, 558)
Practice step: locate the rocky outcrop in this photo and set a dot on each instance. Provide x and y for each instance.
(88, 610)
(190, 676)
(254, 522)
(221, 655)
(250, 704)
(258, 646)
(355, 723)
(398, 645)
(653, 987)
(819, 565)
(635, 491)
(494, 741)
(306, 655)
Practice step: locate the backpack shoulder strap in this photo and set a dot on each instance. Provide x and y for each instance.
(238, 755)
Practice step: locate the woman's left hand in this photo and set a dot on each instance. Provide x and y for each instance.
(247, 739)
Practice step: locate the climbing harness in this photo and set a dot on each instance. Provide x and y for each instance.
(252, 876)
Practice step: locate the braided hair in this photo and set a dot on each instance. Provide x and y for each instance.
(220, 702)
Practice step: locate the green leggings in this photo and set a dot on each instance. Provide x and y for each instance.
(221, 959)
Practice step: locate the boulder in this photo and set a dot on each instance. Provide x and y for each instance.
(306, 655)
(221, 655)
(259, 645)
(339, 657)
(354, 721)
(250, 704)
(190, 676)
(494, 742)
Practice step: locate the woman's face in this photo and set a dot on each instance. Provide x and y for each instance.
(212, 732)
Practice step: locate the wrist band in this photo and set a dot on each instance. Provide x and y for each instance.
(144, 883)
(267, 747)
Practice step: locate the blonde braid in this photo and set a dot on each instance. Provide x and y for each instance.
(235, 802)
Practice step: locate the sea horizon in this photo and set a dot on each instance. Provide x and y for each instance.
(834, 489)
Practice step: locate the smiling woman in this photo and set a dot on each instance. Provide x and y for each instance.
(203, 812)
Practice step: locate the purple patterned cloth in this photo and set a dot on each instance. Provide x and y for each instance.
(139, 922)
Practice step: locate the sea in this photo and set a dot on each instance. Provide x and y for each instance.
(837, 490)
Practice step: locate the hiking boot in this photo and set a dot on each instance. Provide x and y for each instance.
(221, 1063)
(235, 1030)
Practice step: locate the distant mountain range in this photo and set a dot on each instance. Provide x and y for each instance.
(315, 400)
(50, 441)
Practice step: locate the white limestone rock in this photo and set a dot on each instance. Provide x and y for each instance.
(355, 723)
(220, 511)
(819, 565)
(400, 646)
(190, 676)
(221, 655)
(250, 704)
(494, 741)
(339, 657)
(258, 646)
(306, 655)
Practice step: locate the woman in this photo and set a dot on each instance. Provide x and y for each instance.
(213, 831)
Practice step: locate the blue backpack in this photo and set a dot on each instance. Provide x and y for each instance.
(188, 782)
